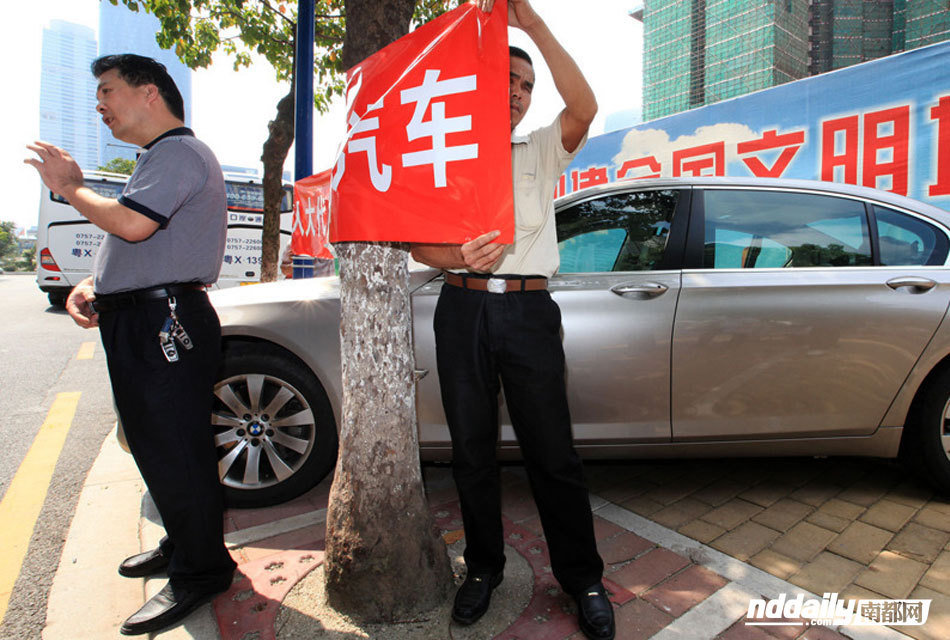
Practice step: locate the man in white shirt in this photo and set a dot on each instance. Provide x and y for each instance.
(495, 321)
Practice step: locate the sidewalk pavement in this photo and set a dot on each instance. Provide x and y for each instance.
(663, 584)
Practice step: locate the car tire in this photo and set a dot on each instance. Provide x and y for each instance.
(928, 434)
(57, 298)
(275, 434)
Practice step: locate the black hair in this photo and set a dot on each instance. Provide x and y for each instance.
(516, 52)
(139, 70)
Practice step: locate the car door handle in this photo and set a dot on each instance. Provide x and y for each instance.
(917, 283)
(649, 289)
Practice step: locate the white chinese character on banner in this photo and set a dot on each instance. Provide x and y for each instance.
(381, 175)
(438, 126)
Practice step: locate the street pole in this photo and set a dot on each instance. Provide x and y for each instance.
(303, 121)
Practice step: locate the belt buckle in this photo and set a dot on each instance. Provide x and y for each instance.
(497, 285)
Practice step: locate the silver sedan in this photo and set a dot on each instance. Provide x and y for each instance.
(701, 317)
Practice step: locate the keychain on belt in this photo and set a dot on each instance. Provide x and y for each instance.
(172, 328)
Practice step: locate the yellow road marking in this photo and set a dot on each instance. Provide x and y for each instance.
(20, 507)
(86, 350)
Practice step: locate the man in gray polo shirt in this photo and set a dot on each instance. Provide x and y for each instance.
(165, 239)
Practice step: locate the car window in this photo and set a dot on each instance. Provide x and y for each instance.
(617, 232)
(756, 229)
(905, 240)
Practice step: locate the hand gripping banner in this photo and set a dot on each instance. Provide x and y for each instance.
(312, 216)
(427, 154)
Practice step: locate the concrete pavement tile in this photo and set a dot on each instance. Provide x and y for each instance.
(673, 492)
(245, 518)
(821, 633)
(680, 512)
(684, 590)
(732, 513)
(604, 529)
(642, 506)
(309, 539)
(938, 621)
(892, 575)
(701, 530)
(828, 521)
(860, 542)
(623, 548)
(648, 570)
(934, 515)
(919, 542)
(775, 563)
(620, 492)
(854, 592)
(803, 542)
(816, 492)
(913, 494)
(887, 514)
(741, 631)
(865, 492)
(746, 540)
(720, 491)
(638, 620)
(766, 494)
(842, 509)
(938, 575)
(827, 572)
(784, 514)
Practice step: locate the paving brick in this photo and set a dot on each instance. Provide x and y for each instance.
(765, 494)
(938, 620)
(623, 548)
(803, 542)
(784, 514)
(892, 575)
(638, 620)
(887, 514)
(860, 542)
(854, 592)
(642, 506)
(775, 563)
(919, 542)
(938, 576)
(746, 540)
(913, 494)
(816, 492)
(740, 631)
(821, 633)
(720, 491)
(685, 590)
(842, 508)
(935, 516)
(827, 521)
(827, 572)
(648, 570)
(619, 493)
(681, 512)
(673, 492)
(701, 530)
(604, 529)
(865, 492)
(732, 513)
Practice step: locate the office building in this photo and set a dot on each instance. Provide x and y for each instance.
(67, 91)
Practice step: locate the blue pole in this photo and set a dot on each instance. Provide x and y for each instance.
(303, 123)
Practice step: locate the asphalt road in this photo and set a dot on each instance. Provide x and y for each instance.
(38, 347)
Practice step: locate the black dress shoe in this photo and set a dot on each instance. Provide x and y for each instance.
(473, 597)
(595, 614)
(164, 609)
(144, 564)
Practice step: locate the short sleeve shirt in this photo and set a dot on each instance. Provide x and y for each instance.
(178, 183)
(537, 160)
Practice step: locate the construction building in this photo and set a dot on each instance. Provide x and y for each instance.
(698, 52)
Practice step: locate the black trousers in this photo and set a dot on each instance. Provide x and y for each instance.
(165, 409)
(483, 338)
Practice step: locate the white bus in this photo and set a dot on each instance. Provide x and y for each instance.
(66, 242)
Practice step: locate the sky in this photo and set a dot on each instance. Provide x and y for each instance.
(230, 110)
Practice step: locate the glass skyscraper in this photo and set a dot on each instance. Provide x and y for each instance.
(67, 91)
(124, 31)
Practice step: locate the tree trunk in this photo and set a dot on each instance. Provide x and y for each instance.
(281, 130)
(379, 529)
(385, 560)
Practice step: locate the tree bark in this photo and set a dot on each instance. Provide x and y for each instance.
(281, 136)
(385, 560)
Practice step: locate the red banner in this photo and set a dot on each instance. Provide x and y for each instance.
(427, 154)
(311, 216)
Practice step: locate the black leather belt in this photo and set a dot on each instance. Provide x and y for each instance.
(125, 299)
(496, 284)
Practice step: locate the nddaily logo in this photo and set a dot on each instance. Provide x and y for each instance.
(830, 611)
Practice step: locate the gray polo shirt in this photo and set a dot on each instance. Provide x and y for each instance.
(178, 183)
